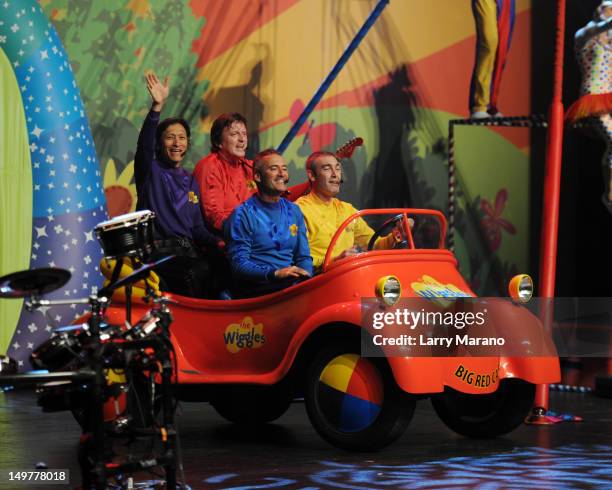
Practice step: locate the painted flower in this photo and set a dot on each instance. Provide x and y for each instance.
(119, 191)
(293, 229)
(493, 223)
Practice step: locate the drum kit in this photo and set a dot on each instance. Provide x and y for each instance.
(101, 372)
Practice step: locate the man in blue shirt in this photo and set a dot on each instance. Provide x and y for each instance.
(266, 235)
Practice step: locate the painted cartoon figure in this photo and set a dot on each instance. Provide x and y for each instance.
(593, 45)
(494, 25)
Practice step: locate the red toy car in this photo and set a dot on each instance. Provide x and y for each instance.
(251, 357)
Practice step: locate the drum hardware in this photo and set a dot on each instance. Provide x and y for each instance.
(34, 302)
(121, 424)
(71, 328)
(93, 348)
(107, 334)
(143, 328)
(95, 472)
(135, 276)
(127, 281)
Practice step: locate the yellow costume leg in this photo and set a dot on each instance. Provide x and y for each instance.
(485, 16)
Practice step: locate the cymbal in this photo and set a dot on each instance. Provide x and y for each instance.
(34, 282)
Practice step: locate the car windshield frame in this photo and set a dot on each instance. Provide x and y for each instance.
(406, 214)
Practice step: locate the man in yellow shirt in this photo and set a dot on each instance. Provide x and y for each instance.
(324, 213)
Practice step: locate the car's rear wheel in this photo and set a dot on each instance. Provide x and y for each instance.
(353, 402)
(252, 405)
(489, 415)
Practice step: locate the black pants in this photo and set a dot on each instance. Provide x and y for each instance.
(246, 289)
(220, 271)
(187, 274)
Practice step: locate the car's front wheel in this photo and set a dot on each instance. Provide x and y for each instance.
(489, 415)
(353, 402)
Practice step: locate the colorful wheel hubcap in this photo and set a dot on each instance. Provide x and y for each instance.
(350, 393)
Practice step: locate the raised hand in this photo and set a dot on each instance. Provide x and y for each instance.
(158, 91)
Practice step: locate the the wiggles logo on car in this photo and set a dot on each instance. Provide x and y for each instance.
(246, 334)
(428, 287)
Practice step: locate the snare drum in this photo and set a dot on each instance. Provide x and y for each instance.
(127, 235)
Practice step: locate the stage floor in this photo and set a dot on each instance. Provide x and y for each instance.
(289, 454)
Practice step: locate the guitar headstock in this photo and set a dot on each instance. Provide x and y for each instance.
(347, 150)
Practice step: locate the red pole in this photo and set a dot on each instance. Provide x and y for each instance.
(552, 185)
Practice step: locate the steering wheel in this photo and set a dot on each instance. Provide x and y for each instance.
(387, 224)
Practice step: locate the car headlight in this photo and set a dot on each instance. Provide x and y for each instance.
(389, 290)
(521, 288)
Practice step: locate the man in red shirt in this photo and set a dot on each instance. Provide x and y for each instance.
(225, 176)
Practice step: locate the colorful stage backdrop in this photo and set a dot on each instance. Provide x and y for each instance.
(265, 58)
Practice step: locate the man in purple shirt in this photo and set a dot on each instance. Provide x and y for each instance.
(168, 190)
